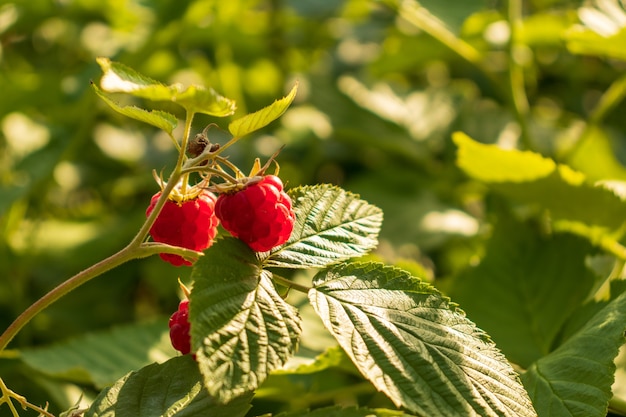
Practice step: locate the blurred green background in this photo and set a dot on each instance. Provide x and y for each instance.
(382, 88)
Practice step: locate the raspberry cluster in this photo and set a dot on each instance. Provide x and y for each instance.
(179, 328)
(190, 224)
(260, 214)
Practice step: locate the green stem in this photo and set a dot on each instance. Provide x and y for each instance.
(609, 100)
(128, 253)
(517, 87)
(290, 284)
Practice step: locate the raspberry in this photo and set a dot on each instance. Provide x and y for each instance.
(179, 328)
(191, 224)
(260, 214)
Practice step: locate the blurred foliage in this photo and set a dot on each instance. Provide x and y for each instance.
(382, 88)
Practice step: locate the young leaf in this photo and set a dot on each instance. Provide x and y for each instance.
(171, 389)
(164, 121)
(530, 178)
(415, 345)
(241, 328)
(261, 118)
(197, 99)
(332, 225)
(575, 380)
(118, 78)
(100, 358)
(525, 287)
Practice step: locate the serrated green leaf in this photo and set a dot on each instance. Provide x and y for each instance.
(338, 411)
(171, 389)
(332, 225)
(241, 328)
(529, 178)
(261, 118)
(118, 78)
(415, 345)
(525, 287)
(595, 157)
(575, 380)
(100, 358)
(163, 120)
(198, 99)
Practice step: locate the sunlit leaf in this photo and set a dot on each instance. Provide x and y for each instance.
(332, 225)
(255, 121)
(163, 120)
(574, 204)
(241, 328)
(587, 42)
(575, 380)
(415, 345)
(102, 357)
(198, 99)
(171, 389)
(118, 78)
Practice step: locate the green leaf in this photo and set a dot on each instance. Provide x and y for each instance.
(525, 288)
(198, 99)
(338, 411)
(118, 78)
(171, 389)
(587, 42)
(164, 121)
(529, 178)
(333, 357)
(241, 328)
(101, 358)
(261, 118)
(595, 157)
(575, 379)
(415, 345)
(332, 225)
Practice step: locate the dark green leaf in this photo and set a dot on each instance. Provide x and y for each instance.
(171, 389)
(525, 288)
(332, 225)
(415, 345)
(255, 121)
(576, 379)
(241, 328)
(103, 357)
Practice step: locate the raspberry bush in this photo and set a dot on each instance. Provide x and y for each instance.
(291, 265)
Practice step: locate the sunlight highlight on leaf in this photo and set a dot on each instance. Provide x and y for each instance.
(332, 225)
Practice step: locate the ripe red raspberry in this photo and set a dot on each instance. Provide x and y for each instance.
(179, 328)
(260, 214)
(191, 224)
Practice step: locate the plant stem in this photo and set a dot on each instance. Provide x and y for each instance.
(129, 252)
(517, 88)
(290, 284)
